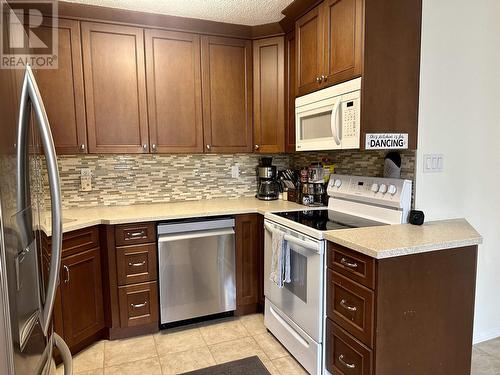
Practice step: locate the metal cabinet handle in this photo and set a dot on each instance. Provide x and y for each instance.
(138, 306)
(30, 97)
(82, 147)
(346, 263)
(324, 78)
(142, 233)
(145, 146)
(66, 269)
(153, 146)
(318, 79)
(139, 264)
(256, 147)
(209, 147)
(348, 365)
(344, 304)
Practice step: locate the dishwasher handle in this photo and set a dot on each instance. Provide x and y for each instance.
(198, 234)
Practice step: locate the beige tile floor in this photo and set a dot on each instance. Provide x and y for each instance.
(201, 345)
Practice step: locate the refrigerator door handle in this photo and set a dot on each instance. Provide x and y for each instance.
(65, 354)
(30, 97)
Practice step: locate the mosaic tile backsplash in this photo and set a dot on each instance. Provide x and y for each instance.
(135, 179)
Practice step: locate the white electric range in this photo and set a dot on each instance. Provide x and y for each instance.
(295, 314)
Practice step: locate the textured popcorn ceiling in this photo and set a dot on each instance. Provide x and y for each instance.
(244, 12)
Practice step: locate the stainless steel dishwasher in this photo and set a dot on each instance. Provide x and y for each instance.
(197, 269)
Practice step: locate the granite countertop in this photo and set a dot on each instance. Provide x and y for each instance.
(377, 242)
(78, 218)
(405, 239)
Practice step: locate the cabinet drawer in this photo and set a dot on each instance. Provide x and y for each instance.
(137, 233)
(77, 241)
(350, 305)
(344, 354)
(138, 304)
(356, 266)
(136, 264)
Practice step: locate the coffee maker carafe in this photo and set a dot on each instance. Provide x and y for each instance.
(268, 187)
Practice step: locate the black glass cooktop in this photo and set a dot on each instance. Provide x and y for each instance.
(327, 219)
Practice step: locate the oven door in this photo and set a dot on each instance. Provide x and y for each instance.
(301, 299)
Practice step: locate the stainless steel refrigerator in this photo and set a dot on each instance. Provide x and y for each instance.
(27, 158)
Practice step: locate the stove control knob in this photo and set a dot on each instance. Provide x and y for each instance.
(337, 183)
(383, 189)
(374, 187)
(392, 189)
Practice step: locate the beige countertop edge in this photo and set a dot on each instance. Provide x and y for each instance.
(401, 251)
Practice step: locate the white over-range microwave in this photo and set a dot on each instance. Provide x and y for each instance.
(329, 119)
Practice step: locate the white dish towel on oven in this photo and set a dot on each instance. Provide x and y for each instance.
(280, 260)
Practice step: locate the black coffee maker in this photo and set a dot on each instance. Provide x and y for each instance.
(268, 187)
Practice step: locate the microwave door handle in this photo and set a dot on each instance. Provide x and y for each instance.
(31, 95)
(334, 123)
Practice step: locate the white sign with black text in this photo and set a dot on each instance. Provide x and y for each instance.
(383, 141)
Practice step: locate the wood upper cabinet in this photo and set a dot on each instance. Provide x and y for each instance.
(82, 300)
(249, 262)
(309, 39)
(329, 44)
(115, 88)
(269, 91)
(290, 90)
(227, 94)
(173, 67)
(62, 89)
(343, 37)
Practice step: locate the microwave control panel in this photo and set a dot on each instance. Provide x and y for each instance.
(350, 118)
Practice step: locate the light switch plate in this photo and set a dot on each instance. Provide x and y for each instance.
(433, 163)
(86, 179)
(235, 171)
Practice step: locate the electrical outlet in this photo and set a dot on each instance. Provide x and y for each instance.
(86, 179)
(433, 163)
(235, 171)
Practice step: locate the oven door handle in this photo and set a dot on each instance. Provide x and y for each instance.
(316, 247)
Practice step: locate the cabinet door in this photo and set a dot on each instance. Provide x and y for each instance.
(249, 249)
(115, 88)
(309, 39)
(62, 89)
(269, 91)
(173, 67)
(82, 299)
(290, 90)
(343, 37)
(227, 94)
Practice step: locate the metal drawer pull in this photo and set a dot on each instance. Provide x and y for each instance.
(138, 306)
(346, 263)
(137, 264)
(348, 365)
(344, 304)
(66, 280)
(137, 234)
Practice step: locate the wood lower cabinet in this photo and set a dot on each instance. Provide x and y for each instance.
(173, 67)
(78, 314)
(138, 304)
(249, 263)
(115, 88)
(62, 89)
(269, 91)
(407, 315)
(227, 94)
(81, 296)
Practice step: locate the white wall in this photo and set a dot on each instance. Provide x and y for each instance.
(460, 118)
